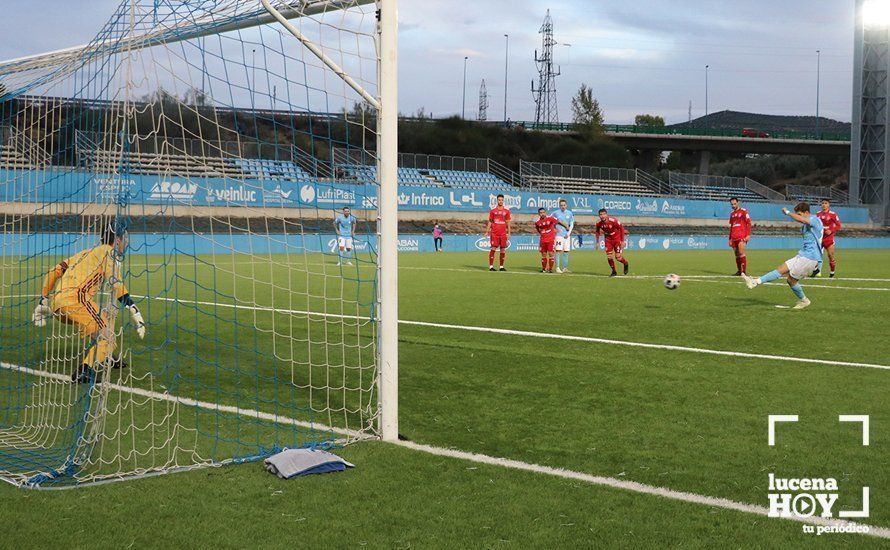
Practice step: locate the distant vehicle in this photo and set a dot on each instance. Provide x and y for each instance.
(752, 133)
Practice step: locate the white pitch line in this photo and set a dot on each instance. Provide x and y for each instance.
(610, 482)
(647, 345)
(694, 498)
(623, 277)
(806, 285)
(586, 339)
(250, 413)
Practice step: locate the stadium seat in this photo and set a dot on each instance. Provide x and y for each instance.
(554, 184)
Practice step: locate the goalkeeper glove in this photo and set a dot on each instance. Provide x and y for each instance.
(42, 312)
(137, 320)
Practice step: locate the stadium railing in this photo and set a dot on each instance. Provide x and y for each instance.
(568, 178)
(817, 193)
(804, 135)
(698, 186)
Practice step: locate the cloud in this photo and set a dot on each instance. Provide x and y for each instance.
(646, 55)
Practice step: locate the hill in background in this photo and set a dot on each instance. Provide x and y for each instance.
(766, 123)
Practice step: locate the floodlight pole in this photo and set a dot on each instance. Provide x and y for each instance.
(388, 223)
(818, 82)
(707, 121)
(506, 68)
(463, 110)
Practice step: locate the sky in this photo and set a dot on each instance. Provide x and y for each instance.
(643, 56)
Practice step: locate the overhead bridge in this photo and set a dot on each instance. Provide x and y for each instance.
(731, 144)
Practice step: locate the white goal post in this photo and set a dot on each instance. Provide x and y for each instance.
(192, 150)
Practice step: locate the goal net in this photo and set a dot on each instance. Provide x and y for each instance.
(179, 171)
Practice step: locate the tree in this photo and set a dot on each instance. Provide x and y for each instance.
(649, 120)
(196, 97)
(586, 110)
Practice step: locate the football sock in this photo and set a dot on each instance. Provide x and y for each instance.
(738, 263)
(543, 263)
(612, 264)
(833, 264)
(771, 276)
(503, 255)
(550, 265)
(743, 263)
(491, 257)
(622, 260)
(556, 259)
(565, 260)
(798, 291)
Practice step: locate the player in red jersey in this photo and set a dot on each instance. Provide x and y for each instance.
(615, 238)
(500, 226)
(546, 226)
(832, 224)
(739, 235)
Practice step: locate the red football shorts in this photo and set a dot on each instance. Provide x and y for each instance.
(613, 245)
(827, 241)
(499, 241)
(734, 243)
(547, 246)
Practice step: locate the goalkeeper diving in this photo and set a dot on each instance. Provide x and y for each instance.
(69, 295)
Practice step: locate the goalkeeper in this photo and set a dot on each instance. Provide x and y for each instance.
(69, 291)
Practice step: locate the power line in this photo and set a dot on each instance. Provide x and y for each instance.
(483, 102)
(546, 110)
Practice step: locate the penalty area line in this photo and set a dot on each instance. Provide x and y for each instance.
(636, 487)
(670, 347)
(511, 332)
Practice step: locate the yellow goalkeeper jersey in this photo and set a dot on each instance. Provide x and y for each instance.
(80, 277)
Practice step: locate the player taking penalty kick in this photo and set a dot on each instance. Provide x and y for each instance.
(832, 223)
(546, 228)
(739, 235)
(808, 260)
(69, 295)
(614, 237)
(499, 228)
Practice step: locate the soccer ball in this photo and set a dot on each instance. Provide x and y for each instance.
(672, 282)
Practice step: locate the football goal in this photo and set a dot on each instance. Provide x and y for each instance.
(190, 272)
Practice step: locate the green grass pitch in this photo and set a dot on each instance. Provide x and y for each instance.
(675, 419)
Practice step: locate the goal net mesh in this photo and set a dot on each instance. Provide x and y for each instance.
(224, 147)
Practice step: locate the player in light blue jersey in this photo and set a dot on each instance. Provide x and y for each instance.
(563, 235)
(808, 261)
(345, 224)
